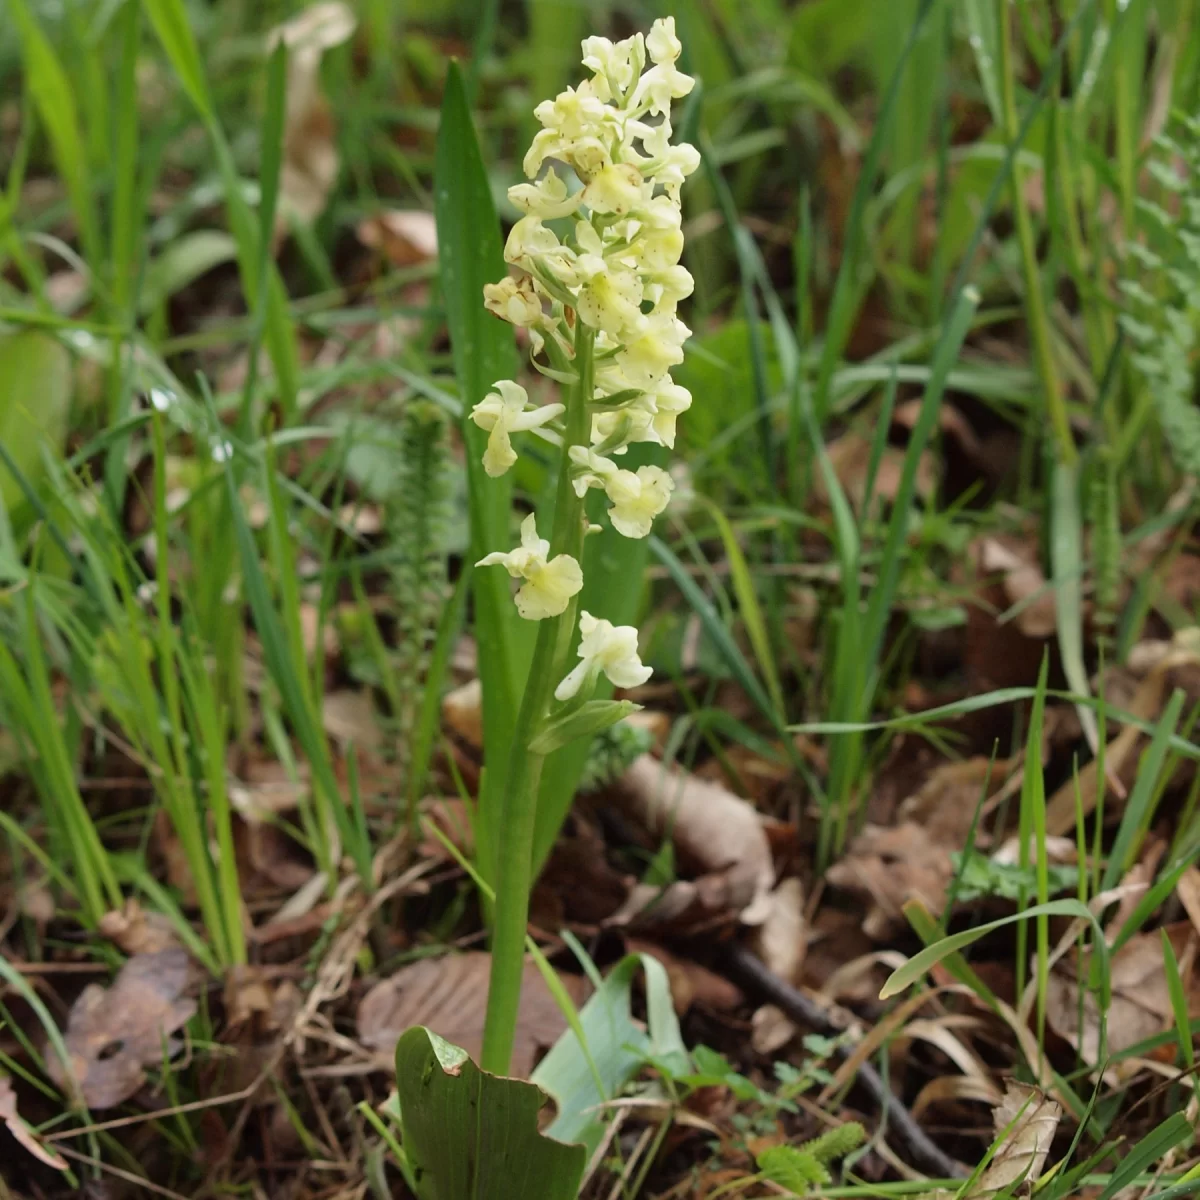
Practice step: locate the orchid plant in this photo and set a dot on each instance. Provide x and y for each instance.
(599, 303)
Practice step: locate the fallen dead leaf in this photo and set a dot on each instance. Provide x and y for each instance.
(586, 887)
(114, 1033)
(462, 712)
(1141, 1003)
(1021, 1156)
(136, 931)
(1121, 757)
(403, 238)
(310, 158)
(1188, 891)
(349, 717)
(782, 943)
(1024, 583)
(449, 994)
(889, 867)
(718, 836)
(850, 455)
(20, 1130)
(911, 860)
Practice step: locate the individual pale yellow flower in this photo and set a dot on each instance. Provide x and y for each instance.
(529, 241)
(669, 399)
(663, 82)
(614, 189)
(614, 66)
(605, 647)
(610, 295)
(618, 428)
(637, 498)
(545, 199)
(577, 128)
(661, 42)
(515, 301)
(549, 582)
(647, 358)
(589, 469)
(503, 412)
(665, 289)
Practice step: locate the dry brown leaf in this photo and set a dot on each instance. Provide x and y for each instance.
(1121, 758)
(462, 712)
(781, 942)
(1022, 1154)
(945, 803)
(850, 455)
(912, 859)
(136, 931)
(718, 836)
(452, 818)
(310, 158)
(449, 995)
(1024, 583)
(21, 1131)
(890, 867)
(1141, 1003)
(403, 238)
(114, 1033)
(349, 717)
(1188, 891)
(37, 903)
(584, 885)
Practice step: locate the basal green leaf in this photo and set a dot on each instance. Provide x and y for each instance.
(469, 1135)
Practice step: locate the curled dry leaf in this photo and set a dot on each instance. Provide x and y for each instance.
(449, 995)
(403, 238)
(114, 1033)
(136, 931)
(462, 713)
(1022, 1154)
(782, 943)
(717, 835)
(26, 1136)
(310, 158)
(1141, 1002)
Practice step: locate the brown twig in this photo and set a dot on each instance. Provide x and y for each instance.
(747, 970)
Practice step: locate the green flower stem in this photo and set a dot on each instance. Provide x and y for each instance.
(518, 816)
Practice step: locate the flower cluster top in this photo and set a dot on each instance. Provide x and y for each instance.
(598, 246)
(617, 267)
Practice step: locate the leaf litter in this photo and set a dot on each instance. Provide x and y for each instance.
(113, 1034)
(449, 995)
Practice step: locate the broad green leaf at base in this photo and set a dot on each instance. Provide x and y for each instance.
(469, 1135)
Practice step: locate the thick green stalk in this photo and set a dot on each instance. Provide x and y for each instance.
(519, 812)
(1037, 318)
